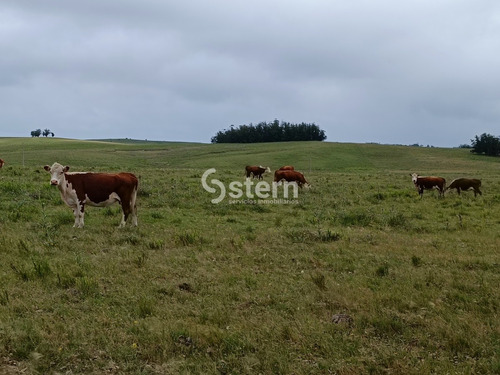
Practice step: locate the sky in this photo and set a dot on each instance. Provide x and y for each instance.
(388, 71)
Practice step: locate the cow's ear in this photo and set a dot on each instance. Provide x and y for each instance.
(47, 168)
(66, 168)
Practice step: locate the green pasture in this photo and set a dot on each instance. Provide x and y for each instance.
(357, 276)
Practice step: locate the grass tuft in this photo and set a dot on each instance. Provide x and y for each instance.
(319, 280)
(383, 270)
(416, 261)
(4, 298)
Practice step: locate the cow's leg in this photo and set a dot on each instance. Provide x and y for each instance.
(125, 212)
(134, 214)
(76, 211)
(82, 215)
(129, 207)
(458, 190)
(79, 212)
(124, 219)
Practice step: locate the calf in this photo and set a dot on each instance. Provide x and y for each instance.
(95, 189)
(256, 171)
(428, 183)
(290, 176)
(466, 184)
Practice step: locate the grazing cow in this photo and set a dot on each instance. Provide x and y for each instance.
(290, 176)
(256, 171)
(95, 189)
(466, 184)
(287, 168)
(428, 183)
(1, 163)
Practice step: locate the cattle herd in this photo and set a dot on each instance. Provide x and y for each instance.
(285, 173)
(439, 183)
(103, 189)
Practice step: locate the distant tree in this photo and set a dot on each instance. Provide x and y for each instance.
(36, 133)
(52, 134)
(270, 132)
(486, 144)
(46, 132)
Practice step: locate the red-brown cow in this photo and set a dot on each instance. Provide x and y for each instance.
(1, 163)
(466, 184)
(95, 189)
(428, 183)
(287, 168)
(290, 176)
(256, 171)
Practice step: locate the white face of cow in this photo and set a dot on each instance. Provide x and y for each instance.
(56, 173)
(414, 177)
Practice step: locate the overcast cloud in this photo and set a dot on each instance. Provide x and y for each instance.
(388, 71)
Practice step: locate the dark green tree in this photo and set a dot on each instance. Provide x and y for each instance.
(486, 144)
(36, 133)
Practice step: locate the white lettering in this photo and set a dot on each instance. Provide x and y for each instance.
(236, 191)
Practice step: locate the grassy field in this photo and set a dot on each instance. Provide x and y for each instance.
(361, 276)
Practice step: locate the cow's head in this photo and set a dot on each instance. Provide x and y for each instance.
(414, 177)
(56, 173)
(267, 169)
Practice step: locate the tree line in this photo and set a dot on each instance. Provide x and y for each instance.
(485, 144)
(38, 132)
(275, 131)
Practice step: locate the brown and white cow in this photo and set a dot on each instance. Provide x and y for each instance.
(287, 168)
(95, 189)
(256, 171)
(1, 163)
(427, 183)
(290, 176)
(466, 184)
